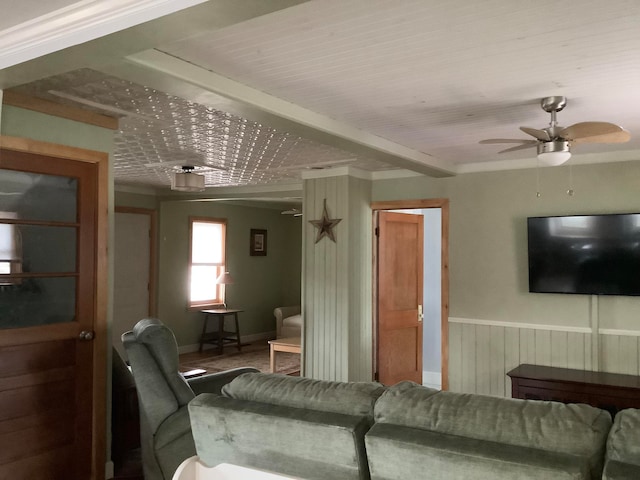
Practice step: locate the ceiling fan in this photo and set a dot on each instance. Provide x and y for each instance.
(554, 142)
(292, 211)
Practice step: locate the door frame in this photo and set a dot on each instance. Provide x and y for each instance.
(99, 361)
(443, 204)
(153, 234)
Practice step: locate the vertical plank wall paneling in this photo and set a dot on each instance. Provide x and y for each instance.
(360, 281)
(337, 281)
(482, 352)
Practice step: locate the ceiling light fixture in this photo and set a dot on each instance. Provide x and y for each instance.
(187, 181)
(554, 153)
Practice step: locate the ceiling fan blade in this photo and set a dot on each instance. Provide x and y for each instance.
(519, 147)
(595, 132)
(537, 133)
(507, 140)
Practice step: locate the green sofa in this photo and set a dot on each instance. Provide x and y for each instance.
(315, 429)
(623, 447)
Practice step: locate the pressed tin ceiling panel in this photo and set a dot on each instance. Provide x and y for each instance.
(159, 133)
(440, 76)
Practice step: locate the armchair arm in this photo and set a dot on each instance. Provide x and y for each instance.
(283, 312)
(213, 382)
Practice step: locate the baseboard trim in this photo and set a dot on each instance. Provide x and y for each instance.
(255, 337)
(432, 379)
(108, 470)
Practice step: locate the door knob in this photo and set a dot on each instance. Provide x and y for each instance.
(86, 335)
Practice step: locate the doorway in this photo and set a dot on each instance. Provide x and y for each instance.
(134, 270)
(442, 276)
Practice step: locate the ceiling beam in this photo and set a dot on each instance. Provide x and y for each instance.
(175, 76)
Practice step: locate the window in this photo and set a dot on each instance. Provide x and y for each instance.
(207, 261)
(10, 250)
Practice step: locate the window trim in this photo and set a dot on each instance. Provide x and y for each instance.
(220, 290)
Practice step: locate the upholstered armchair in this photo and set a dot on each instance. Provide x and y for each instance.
(163, 395)
(288, 321)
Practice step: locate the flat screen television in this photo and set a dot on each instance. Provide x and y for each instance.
(585, 254)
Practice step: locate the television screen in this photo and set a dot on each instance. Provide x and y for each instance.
(587, 254)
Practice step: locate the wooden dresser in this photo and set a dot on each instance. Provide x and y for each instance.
(609, 391)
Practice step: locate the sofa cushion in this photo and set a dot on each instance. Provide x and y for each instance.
(623, 443)
(315, 445)
(450, 457)
(173, 427)
(292, 321)
(615, 470)
(524, 423)
(352, 398)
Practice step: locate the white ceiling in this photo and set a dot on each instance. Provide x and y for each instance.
(375, 84)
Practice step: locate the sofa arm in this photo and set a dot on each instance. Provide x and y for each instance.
(213, 382)
(283, 312)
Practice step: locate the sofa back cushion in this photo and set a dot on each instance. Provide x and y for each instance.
(624, 439)
(353, 398)
(525, 423)
(310, 444)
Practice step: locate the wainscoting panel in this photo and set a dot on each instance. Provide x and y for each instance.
(619, 353)
(481, 352)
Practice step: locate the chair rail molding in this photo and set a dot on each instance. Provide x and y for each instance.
(481, 352)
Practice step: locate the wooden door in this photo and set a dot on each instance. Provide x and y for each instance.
(48, 305)
(400, 273)
(134, 258)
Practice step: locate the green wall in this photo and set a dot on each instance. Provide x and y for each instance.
(137, 200)
(261, 283)
(488, 239)
(17, 122)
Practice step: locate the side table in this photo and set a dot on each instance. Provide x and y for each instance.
(290, 344)
(219, 336)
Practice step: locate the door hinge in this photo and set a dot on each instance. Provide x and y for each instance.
(377, 231)
(375, 377)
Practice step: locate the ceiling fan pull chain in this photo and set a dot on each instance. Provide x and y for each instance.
(538, 194)
(570, 191)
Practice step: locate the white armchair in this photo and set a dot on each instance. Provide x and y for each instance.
(288, 321)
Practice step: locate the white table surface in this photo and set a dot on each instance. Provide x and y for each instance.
(192, 469)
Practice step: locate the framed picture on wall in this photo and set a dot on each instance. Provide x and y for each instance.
(258, 242)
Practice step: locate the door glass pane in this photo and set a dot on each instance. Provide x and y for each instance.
(47, 249)
(32, 253)
(37, 301)
(33, 196)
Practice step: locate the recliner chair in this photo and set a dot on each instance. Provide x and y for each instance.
(163, 395)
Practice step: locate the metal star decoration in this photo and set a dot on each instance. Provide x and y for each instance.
(325, 225)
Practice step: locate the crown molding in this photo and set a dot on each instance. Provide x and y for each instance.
(78, 23)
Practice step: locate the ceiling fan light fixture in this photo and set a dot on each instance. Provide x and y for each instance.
(187, 181)
(554, 153)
